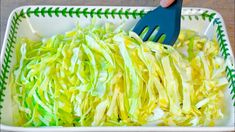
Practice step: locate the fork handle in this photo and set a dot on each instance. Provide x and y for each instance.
(177, 5)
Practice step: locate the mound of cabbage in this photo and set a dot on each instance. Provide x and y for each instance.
(104, 76)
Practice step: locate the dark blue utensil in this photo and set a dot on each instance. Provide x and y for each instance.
(167, 20)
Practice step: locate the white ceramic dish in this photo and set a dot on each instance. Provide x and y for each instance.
(31, 21)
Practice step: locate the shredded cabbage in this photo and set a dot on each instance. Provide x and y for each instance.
(102, 76)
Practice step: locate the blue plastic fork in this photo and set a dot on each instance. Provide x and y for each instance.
(166, 20)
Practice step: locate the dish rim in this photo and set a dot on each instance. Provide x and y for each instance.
(131, 128)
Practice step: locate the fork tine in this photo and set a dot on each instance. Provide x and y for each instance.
(148, 34)
(158, 35)
(138, 29)
(169, 40)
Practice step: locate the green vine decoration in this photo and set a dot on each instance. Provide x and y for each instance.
(205, 16)
(103, 12)
(71, 12)
(9, 50)
(224, 50)
(221, 39)
(231, 79)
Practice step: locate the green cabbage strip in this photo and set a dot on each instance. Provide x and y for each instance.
(101, 76)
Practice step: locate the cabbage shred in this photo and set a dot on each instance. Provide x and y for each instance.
(102, 76)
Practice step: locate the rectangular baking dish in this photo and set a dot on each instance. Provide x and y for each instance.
(35, 21)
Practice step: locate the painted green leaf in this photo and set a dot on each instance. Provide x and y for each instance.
(99, 12)
(50, 12)
(64, 12)
(22, 14)
(43, 11)
(120, 12)
(36, 11)
(190, 18)
(182, 17)
(142, 13)
(134, 13)
(78, 12)
(127, 13)
(106, 12)
(113, 13)
(85, 12)
(57, 11)
(28, 12)
(71, 12)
